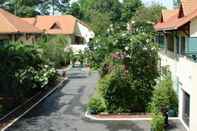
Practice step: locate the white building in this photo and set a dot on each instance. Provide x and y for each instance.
(77, 31)
(178, 40)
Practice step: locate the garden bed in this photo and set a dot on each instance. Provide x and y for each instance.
(124, 115)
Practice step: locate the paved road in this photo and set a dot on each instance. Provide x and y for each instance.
(62, 111)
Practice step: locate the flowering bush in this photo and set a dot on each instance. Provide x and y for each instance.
(24, 70)
(128, 70)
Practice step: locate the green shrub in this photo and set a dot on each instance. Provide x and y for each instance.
(158, 122)
(24, 70)
(116, 91)
(96, 105)
(164, 96)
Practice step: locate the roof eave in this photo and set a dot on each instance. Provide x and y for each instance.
(167, 28)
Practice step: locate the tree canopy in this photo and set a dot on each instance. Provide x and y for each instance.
(105, 12)
(29, 8)
(145, 17)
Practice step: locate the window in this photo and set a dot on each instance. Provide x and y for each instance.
(3, 42)
(177, 45)
(186, 108)
(170, 42)
(79, 40)
(182, 45)
(160, 41)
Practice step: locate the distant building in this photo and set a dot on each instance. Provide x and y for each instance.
(13, 28)
(78, 32)
(178, 41)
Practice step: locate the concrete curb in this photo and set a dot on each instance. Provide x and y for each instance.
(94, 118)
(34, 105)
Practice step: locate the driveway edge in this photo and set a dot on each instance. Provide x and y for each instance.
(34, 105)
(94, 118)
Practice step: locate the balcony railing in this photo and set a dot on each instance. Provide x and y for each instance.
(191, 48)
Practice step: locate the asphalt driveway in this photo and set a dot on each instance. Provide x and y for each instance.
(63, 110)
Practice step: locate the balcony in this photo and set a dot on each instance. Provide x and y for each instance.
(191, 48)
(184, 47)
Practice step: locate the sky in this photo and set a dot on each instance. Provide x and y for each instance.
(167, 3)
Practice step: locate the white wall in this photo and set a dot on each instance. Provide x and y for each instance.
(84, 31)
(193, 99)
(193, 93)
(186, 71)
(193, 28)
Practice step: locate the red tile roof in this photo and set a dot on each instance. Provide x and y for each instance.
(30, 20)
(11, 24)
(166, 14)
(65, 23)
(188, 6)
(171, 20)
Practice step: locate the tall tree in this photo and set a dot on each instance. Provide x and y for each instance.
(30, 8)
(129, 8)
(100, 14)
(111, 7)
(145, 17)
(75, 10)
(21, 7)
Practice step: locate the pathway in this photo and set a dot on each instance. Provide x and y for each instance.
(62, 111)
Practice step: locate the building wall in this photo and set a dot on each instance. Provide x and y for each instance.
(184, 75)
(193, 93)
(193, 99)
(84, 32)
(193, 28)
(28, 38)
